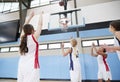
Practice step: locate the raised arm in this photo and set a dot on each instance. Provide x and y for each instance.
(116, 48)
(27, 21)
(111, 48)
(40, 25)
(94, 50)
(65, 53)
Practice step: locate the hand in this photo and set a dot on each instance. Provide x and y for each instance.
(108, 48)
(62, 45)
(100, 53)
(93, 45)
(32, 14)
(29, 18)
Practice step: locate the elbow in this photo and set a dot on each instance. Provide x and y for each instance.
(116, 49)
(119, 49)
(91, 54)
(41, 24)
(64, 54)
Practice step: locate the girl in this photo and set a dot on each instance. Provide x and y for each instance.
(75, 70)
(28, 67)
(103, 68)
(114, 28)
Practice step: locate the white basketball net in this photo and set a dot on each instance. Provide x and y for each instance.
(64, 23)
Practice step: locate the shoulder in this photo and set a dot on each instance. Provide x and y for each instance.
(105, 55)
(117, 34)
(21, 37)
(34, 36)
(70, 50)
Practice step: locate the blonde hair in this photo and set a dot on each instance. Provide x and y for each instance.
(73, 42)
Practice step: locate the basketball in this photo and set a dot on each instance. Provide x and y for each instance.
(61, 3)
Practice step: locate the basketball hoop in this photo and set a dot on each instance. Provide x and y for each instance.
(64, 23)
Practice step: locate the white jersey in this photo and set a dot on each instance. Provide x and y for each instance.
(28, 67)
(117, 43)
(75, 69)
(103, 68)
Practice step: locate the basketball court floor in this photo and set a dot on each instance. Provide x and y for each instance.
(10, 80)
(84, 20)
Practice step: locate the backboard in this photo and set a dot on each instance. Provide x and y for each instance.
(74, 16)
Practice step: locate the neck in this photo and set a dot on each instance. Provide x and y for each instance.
(116, 32)
(74, 47)
(28, 34)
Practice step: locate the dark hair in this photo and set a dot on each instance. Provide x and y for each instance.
(28, 29)
(116, 25)
(104, 50)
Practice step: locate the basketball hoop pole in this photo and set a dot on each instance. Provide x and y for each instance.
(75, 6)
(65, 4)
(65, 7)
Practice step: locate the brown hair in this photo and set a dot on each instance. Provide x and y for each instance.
(104, 50)
(116, 25)
(74, 42)
(28, 29)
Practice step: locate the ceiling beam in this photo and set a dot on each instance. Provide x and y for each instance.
(26, 3)
(8, 0)
(23, 6)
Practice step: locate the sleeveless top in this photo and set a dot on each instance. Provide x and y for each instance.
(117, 43)
(32, 53)
(102, 62)
(73, 57)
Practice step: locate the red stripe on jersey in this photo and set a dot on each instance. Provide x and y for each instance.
(105, 63)
(36, 63)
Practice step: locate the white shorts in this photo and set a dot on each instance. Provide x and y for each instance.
(27, 72)
(118, 53)
(75, 76)
(32, 76)
(105, 75)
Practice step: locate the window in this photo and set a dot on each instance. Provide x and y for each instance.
(14, 49)
(6, 7)
(35, 3)
(1, 7)
(44, 2)
(15, 7)
(67, 45)
(43, 46)
(54, 1)
(89, 43)
(106, 41)
(4, 49)
(54, 46)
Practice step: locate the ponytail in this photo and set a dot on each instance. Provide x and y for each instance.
(27, 29)
(23, 45)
